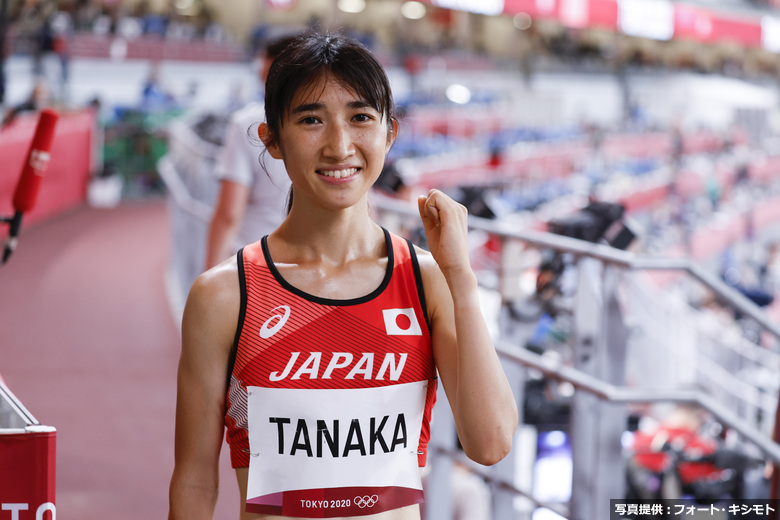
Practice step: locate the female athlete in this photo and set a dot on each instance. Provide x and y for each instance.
(319, 347)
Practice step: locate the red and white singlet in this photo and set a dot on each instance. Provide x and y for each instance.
(329, 401)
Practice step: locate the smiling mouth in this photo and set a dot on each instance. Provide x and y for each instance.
(339, 174)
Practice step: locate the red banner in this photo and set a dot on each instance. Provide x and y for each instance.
(706, 26)
(533, 8)
(690, 22)
(726, 29)
(65, 181)
(28, 477)
(603, 14)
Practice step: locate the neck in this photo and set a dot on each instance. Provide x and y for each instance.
(338, 236)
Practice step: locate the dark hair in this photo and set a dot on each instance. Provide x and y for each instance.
(313, 56)
(275, 48)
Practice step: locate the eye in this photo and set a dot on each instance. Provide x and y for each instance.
(309, 120)
(362, 118)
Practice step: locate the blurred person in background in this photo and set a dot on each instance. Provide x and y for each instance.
(154, 95)
(253, 185)
(62, 29)
(34, 29)
(39, 98)
(687, 455)
(670, 451)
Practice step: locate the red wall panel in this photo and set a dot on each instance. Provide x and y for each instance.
(65, 180)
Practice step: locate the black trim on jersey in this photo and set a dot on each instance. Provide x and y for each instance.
(419, 283)
(328, 301)
(241, 317)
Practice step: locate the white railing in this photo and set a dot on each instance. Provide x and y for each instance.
(641, 346)
(674, 344)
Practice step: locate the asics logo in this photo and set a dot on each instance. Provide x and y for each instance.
(366, 501)
(266, 331)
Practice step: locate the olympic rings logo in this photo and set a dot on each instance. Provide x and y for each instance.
(366, 501)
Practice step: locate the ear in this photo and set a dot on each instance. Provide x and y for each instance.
(392, 133)
(270, 144)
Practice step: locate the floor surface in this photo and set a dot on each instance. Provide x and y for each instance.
(89, 344)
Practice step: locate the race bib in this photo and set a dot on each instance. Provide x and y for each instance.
(336, 452)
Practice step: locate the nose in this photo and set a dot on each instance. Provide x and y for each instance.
(338, 143)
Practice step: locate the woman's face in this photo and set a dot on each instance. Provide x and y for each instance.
(333, 144)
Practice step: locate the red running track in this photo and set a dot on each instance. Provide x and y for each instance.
(89, 345)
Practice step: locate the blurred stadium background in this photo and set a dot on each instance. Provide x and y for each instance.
(621, 163)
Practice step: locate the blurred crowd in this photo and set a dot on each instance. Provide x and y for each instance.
(46, 25)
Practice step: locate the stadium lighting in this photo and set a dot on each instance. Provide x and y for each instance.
(522, 21)
(352, 6)
(413, 10)
(184, 5)
(646, 18)
(770, 33)
(486, 7)
(458, 94)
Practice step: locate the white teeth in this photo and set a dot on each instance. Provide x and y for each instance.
(339, 174)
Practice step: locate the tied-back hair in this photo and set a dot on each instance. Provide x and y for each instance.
(315, 56)
(307, 59)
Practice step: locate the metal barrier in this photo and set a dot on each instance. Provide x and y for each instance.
(597, 366)
(28, 459)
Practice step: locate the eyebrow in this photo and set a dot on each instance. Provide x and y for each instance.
(313, 107)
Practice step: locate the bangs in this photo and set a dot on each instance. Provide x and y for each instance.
(306, 65)
(313, 87)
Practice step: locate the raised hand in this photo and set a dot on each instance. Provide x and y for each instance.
(446, 228)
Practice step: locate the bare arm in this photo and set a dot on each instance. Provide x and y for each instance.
(208, 327)
(480, 396)
(226, 221)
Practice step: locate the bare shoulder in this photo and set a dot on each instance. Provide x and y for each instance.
(214, 299)
(427, 262)
(218, 282)
(425, 259)
(434, 284)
